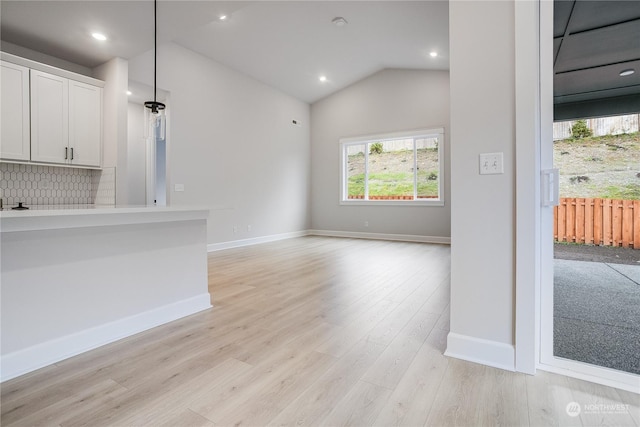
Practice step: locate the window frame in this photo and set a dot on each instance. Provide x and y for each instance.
(414, 134)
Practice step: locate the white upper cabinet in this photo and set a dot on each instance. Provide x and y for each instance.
(85, 124)
(49, 115)
(49, 118)
(14, 112)
(66, 121)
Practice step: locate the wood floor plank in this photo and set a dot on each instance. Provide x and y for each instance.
(306, 334)
(600, 405)
(439, 300)
(444, 320)
(506, 399)
(345, 338)
(18, 388)
(41, 398)
(394, 361)
(268, 396)
(317, 401)
(273, 365)
(186, 418)
(459, 399)
(472, 394)
(87, 400)
(548, 397)
(219, 294)
(632, 401)
(412, 399)
(390, 326)
(359, 407)
(175, 401)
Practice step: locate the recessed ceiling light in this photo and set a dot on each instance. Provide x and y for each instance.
(627, 72)
(322, 78)
(223, 17)
(128, 93)
(99, 36)
(433, 54)
(339, 21)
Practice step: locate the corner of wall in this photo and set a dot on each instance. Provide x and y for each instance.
(485, 352)
(115, 74)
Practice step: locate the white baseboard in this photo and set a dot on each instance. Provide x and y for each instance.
(47, 353)
(485, 352)
(212, 247)
(382, 236)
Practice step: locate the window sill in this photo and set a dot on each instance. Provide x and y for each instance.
(416, 203)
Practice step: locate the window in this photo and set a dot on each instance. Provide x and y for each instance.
(399, 168)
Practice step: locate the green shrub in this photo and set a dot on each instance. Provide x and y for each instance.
(376, 148)
(580, 130)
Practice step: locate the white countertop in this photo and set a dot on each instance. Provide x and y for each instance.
(40, 217)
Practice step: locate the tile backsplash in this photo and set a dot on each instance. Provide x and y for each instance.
(52, 185)
(103, 186)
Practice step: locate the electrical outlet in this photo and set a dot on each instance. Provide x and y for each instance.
(248, 228)
(178, 187)
(235, 228)
(366, 223)
(491, 163)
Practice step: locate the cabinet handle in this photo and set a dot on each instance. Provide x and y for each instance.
(66, 153)
(71, 153)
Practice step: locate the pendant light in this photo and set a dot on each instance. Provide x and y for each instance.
(154, 110)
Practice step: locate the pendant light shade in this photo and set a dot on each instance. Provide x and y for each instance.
(155, 110)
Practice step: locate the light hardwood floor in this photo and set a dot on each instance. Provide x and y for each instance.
(307, 331)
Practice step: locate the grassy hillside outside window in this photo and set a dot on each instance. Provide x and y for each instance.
(400, 168)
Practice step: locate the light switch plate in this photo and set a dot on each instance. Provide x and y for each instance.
(491, 163)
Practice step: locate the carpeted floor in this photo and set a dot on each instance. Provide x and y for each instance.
(597, 313)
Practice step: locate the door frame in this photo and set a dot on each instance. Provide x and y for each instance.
(534, 259)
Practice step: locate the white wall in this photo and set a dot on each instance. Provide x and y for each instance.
(233, 146)
(388, 101)
(114, 137)
(43, 58)
(482, 65)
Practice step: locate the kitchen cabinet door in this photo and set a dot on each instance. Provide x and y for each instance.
(49, 118)
(15, 137)
(85, 124)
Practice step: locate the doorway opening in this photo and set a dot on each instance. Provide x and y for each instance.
(590, 304)
(596, 287)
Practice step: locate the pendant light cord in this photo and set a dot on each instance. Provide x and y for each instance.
(155, 48)
(154, 105)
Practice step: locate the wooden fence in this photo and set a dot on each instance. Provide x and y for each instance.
(605, 222)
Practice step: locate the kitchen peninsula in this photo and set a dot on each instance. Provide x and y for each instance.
(75, 279)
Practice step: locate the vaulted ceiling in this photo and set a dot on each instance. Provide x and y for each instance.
(285, 44)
